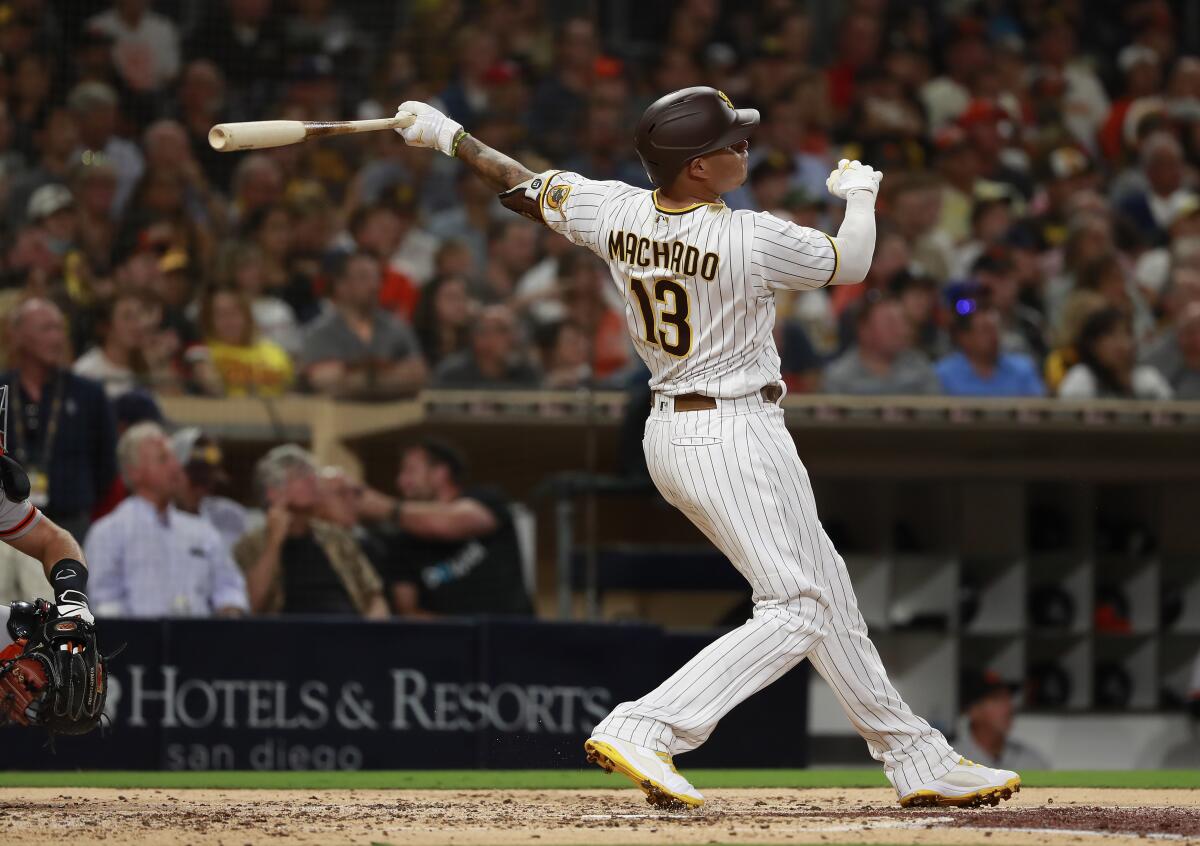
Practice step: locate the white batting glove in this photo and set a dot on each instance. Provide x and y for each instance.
(431, 129)
(852, 176)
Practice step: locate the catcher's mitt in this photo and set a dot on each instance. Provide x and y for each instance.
(53, 676)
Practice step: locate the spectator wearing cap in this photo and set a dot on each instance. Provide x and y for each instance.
(45, 252)
(56, 140)
(60, 425)
(233, 360)
(149, 559)
(356, 349)
(296, 563)
(979, 367)
(883, 361)
(494, 359)
(988, 707)
(1163, 171)
(1022, 327)
(1065, 172)
(145, 44)
(94, 105)
(1107, 365)
(203, 474)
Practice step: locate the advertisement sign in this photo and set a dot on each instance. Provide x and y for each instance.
(322, 694)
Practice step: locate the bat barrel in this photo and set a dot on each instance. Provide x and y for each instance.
(254, 135)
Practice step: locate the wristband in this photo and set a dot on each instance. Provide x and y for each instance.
(68, 578)
(458, 137)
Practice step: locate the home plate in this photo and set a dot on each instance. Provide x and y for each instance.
(593, 817)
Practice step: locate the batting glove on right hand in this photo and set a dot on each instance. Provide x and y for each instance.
(431, 129)
(853, 176)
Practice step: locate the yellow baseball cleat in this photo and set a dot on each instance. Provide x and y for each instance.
(968, 785)
(653, 772)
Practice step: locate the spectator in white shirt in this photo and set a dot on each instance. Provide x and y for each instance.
(149, 559)
(1107, 365)
(145, 44)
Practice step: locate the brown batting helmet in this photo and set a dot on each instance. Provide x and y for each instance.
(686, 124)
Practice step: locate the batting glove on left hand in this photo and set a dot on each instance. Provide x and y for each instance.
(431, 129)
(852, 176)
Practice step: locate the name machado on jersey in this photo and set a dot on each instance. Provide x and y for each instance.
(698, 283)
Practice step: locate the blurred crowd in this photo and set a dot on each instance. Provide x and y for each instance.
(1039, 226)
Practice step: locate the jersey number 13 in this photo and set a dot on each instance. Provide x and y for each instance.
(667, 327)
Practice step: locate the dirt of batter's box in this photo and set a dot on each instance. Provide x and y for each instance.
(609, 817)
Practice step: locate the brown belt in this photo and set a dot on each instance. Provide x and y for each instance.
(699, 402)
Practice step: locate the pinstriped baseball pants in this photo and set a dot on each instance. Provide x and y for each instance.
(735, 473)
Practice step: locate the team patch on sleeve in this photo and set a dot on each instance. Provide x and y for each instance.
(556, 196)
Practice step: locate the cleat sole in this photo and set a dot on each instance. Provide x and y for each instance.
(988, 796)
(610, 760)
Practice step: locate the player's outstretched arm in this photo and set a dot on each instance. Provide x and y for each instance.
(857, 184)
(434, 130)
(62, 560)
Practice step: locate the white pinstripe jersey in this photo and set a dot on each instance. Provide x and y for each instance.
(698, 284)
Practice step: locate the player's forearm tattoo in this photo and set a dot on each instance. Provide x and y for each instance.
(496, 169)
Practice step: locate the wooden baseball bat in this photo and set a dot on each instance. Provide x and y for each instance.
(258, 134)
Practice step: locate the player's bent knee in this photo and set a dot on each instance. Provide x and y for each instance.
(803, 619)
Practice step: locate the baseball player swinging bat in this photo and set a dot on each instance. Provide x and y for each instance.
(261, 134)
(699, 282)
